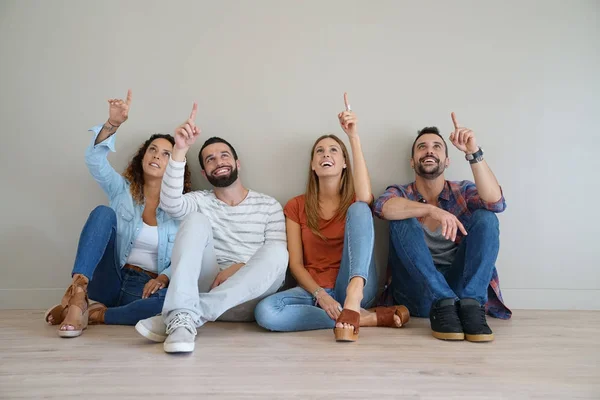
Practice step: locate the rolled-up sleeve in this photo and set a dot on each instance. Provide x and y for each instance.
(390, 193)
(475, 202)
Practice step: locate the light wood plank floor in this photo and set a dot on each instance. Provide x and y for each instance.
(537, 355)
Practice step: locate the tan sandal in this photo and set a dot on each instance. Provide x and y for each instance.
(57, 313)
(72, 298)
(349, 317)
(385, 316)
(96, 313)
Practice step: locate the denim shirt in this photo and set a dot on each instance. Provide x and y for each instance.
(129, 213)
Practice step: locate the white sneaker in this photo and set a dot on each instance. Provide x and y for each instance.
(153, 328)
(182, 333)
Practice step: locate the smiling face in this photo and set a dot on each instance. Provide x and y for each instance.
(429, 158)
(220, 166)
(156, 158)
(328, 158)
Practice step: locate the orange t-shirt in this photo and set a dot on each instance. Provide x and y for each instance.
(322, 258)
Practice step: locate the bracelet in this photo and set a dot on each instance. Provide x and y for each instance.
(112, 126)
(316, 292)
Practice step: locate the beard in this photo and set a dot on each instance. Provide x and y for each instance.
(429, 172)
(225, 180)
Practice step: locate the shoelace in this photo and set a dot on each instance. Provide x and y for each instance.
(447, 318)
(473, 314)
(181, 320)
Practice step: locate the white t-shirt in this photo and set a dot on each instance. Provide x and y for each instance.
(144, 252)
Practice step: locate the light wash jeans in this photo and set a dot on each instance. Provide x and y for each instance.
(295, 309)
(194, 268)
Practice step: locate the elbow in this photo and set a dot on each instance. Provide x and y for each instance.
(365, 197)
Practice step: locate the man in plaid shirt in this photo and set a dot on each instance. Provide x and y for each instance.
(444, 239)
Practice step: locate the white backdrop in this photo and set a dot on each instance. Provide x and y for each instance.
(269, 76)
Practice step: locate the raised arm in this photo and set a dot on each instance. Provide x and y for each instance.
(362, 182)
(104, 141)
(172, 199)
(485, 181)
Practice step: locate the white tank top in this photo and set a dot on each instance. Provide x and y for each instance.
(144, 252)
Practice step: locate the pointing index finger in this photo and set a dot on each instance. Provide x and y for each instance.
(348, 108)
(128, 101)
(194, 111)
(454, 121)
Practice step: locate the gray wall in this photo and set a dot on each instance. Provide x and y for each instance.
(269, 75)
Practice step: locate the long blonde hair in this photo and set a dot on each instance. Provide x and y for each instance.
(311, 205)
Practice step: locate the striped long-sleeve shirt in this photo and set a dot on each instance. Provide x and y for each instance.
(238, 231)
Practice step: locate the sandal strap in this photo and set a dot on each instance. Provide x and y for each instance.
(79, 282)
(79, 300)
(350, 317)
(96, 313)
(385, 315)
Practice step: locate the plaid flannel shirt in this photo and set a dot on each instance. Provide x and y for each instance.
(460, 199)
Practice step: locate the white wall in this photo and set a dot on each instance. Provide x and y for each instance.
(269, 76)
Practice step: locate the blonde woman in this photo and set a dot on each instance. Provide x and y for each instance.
(330, 241)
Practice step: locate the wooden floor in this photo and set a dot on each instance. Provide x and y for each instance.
(537, 355)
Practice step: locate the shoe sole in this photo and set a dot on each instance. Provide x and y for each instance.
(148, 334)
(479, 338)
(179, 347)
(70, 334)
(448, 335)
(345, 335)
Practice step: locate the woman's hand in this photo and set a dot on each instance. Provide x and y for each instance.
(154, 285)
(348, 119)
(328, 303)
(118, 110)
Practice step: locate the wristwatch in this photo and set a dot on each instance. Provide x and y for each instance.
(475, 157)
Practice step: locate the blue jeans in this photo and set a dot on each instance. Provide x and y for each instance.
(119, 290)
(417, 282)
(295, 309)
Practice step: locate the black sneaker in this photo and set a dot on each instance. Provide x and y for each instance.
(472, 316)
(445, 323)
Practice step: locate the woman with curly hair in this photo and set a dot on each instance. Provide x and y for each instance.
(122, 266)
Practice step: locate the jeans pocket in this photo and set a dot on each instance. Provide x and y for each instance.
(133, 283)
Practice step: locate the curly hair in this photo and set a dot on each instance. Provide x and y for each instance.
(134, 173)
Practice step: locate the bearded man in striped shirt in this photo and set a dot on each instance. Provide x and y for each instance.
(230, 251)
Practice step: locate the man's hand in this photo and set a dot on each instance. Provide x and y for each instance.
(329, 305)
(450, 224)
(154, 285)
(226, 274)
(118, 110)
(348, 119)
(463, 138)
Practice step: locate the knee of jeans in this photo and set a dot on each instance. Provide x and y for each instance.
(358, 209)
(401, 226)
(484, 217)
(104, 214)
(266, 312)
(359, 216)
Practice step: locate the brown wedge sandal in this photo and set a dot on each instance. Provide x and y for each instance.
(385, 315)
(57, 313)
(96, 313)
(72, 298)
(347, 335)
